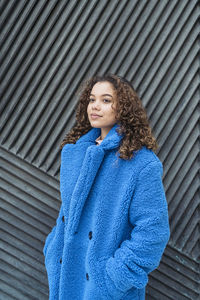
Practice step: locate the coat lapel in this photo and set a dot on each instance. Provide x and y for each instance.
(94, 155)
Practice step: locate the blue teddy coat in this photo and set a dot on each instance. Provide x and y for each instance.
(113, 223)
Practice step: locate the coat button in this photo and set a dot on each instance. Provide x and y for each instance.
(90, 235)
(61, 260)
(63, 218)
(87, 276)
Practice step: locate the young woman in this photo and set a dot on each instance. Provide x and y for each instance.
(113, 226)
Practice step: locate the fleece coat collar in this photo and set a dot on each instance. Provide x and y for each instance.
(111, 141)
(91, 156)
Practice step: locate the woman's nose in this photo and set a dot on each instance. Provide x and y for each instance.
(95, 106)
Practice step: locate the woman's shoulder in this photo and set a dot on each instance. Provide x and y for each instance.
(145, 156)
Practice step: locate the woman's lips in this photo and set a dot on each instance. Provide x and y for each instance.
(95, 116)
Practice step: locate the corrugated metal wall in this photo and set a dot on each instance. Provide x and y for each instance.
(47, 49)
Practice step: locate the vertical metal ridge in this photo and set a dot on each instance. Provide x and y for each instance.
(10, 92)
(10, 24)
(36, 145)
(158, 67)
(178, 233)
(15, 42)
(6, 9)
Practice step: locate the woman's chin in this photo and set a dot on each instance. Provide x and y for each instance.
(95, 123)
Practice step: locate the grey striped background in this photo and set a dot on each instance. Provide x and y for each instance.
(47, 49)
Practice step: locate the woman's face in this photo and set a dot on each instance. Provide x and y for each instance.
(100, 112)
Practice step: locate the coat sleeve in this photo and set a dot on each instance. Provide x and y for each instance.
(136, 258)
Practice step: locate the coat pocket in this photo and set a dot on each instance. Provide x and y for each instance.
(107, 288)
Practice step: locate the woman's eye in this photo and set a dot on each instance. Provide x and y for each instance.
(105, 100)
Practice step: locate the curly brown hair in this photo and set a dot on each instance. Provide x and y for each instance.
(130, 115)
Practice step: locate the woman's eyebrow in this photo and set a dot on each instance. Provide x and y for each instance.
(102, 95)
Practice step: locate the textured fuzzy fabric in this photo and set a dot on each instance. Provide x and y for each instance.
(115, 226)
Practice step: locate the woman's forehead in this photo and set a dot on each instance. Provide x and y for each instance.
(104, 87)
